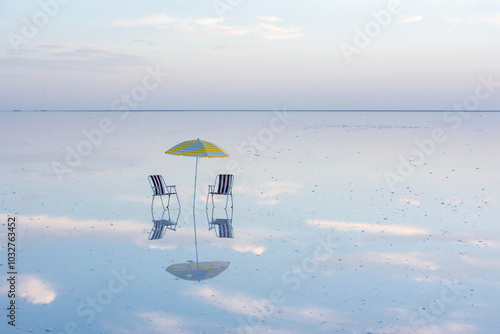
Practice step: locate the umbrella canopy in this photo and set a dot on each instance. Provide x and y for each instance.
(199, 149)
(197, 271)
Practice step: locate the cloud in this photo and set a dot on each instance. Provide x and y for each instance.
(489, 20)
(209, 21)
(88, 59)
(400, 230)
(268, 18)
(35, 290)
(271, 31)
(272, 189)
(451, 327)
(485, 264)
(154, 19)
(159, 322)
(46, 227)
(413, 259)
(213, 26)
(268, 191)
(258, 250)
(267, 308)
(409, 19)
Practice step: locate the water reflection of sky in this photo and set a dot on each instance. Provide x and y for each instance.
(322, 243)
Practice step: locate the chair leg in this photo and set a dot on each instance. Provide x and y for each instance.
(152, 211)
(162, 205)
(178, 202)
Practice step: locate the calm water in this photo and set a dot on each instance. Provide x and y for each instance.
(343, 222)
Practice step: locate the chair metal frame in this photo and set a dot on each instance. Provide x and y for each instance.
(227, 190)
(160, 189)
(162, 225)
(219, 224)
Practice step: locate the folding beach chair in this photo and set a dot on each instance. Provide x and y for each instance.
(223, 185)
(163, 222)
(160, 189)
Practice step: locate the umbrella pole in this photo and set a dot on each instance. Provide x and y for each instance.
(194, 215)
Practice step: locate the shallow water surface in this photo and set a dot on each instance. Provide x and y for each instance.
(349, 222)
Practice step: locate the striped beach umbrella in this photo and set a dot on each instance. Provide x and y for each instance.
(199, 271)
(199, 149)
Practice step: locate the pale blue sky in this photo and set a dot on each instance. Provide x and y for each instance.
(248, 54)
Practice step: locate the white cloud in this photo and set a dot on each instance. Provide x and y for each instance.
(271, 31)
(258, 250)
(213, 26)
(154, 19)
(209, 21)
(159, 322)
(409, 19)
(272, 189)
(365, 227)
(35, 290)
(490, 20)
(47, 227)
(268, 18)
(451, 327)
(266, 308)
(481, 262)
(413, 259)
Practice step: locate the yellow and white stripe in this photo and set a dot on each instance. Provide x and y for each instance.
(198, 148)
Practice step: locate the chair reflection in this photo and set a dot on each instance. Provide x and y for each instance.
(167, 221)
(223, 227)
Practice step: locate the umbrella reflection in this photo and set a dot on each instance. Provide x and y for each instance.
(197, 271)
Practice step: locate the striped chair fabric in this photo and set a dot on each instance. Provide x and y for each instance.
(225, 231)
(225, 184)
(158, 185)
(157, 232)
